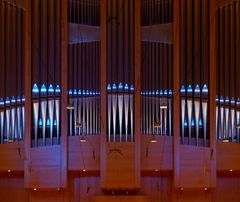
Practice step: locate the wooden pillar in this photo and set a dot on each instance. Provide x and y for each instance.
(64, 97)
(212, 90)
(176, 88)
(28, 88)
(137, 77)
(103, 85)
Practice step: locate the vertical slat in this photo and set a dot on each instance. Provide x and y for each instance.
(64, 83)
(176, 87)
(27, 34)
(212, 89)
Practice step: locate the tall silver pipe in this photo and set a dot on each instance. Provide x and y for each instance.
(94, 115)
(8, 124)
(23, 121)
(75, 111)
(120, 113)
(44, 119)
(91, 115)
(221, 122)
(170, 116)
(204, 108)
(19, 121)
(84, 115)
(197, 114)
(88, 114)
(183, 105)
(114, 110)
(131, 115)
(237, 122)
(35, 118)
(189, 105)
(71, 117)
(126, 110)
(57, 112)
(109, 117)
(161, 119)
(153, 114)
(227, 122)
(157, 107)
(217, 132)
(147, 115)
(233, 124)
(2, 126)
(79, 114)
(13, 123)
(143, 116)
(51, 117)
(150, 115)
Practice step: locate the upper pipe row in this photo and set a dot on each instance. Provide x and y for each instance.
(43, 89)
(120, 87)
(13, 101)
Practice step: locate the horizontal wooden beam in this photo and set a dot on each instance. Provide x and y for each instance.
(78, 33)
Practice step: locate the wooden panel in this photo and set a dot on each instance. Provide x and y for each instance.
(46, 196)
(119, 174)
(12, 156)
(195, 170)
(161, 33)
(228, 156)
(12, 189)
(84, 155)
(120, 198)
(44, 177)
(44, 170)
(157, 188)
(157, 156)
(45, 156)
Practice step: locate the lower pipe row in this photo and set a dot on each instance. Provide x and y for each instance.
(84, 117)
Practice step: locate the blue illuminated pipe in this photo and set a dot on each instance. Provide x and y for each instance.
(183, 104)
(8, 116)
(44, 119)
(57, 113)
(233, 124)
(13, 119)
(126, 110)
(189, 107)
(120, 110)
(237, 122)
(114, 114)
(1, 125)
(204, 111)
(197, 116)
(51, 118)
(109, 97)
(75, 111)
(131, 113)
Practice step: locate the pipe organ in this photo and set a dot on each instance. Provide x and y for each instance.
(84, 92)
(156, 91)
(228, 69)
(194, 72)
(12, 100)
(46, 68)
(120, 71)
